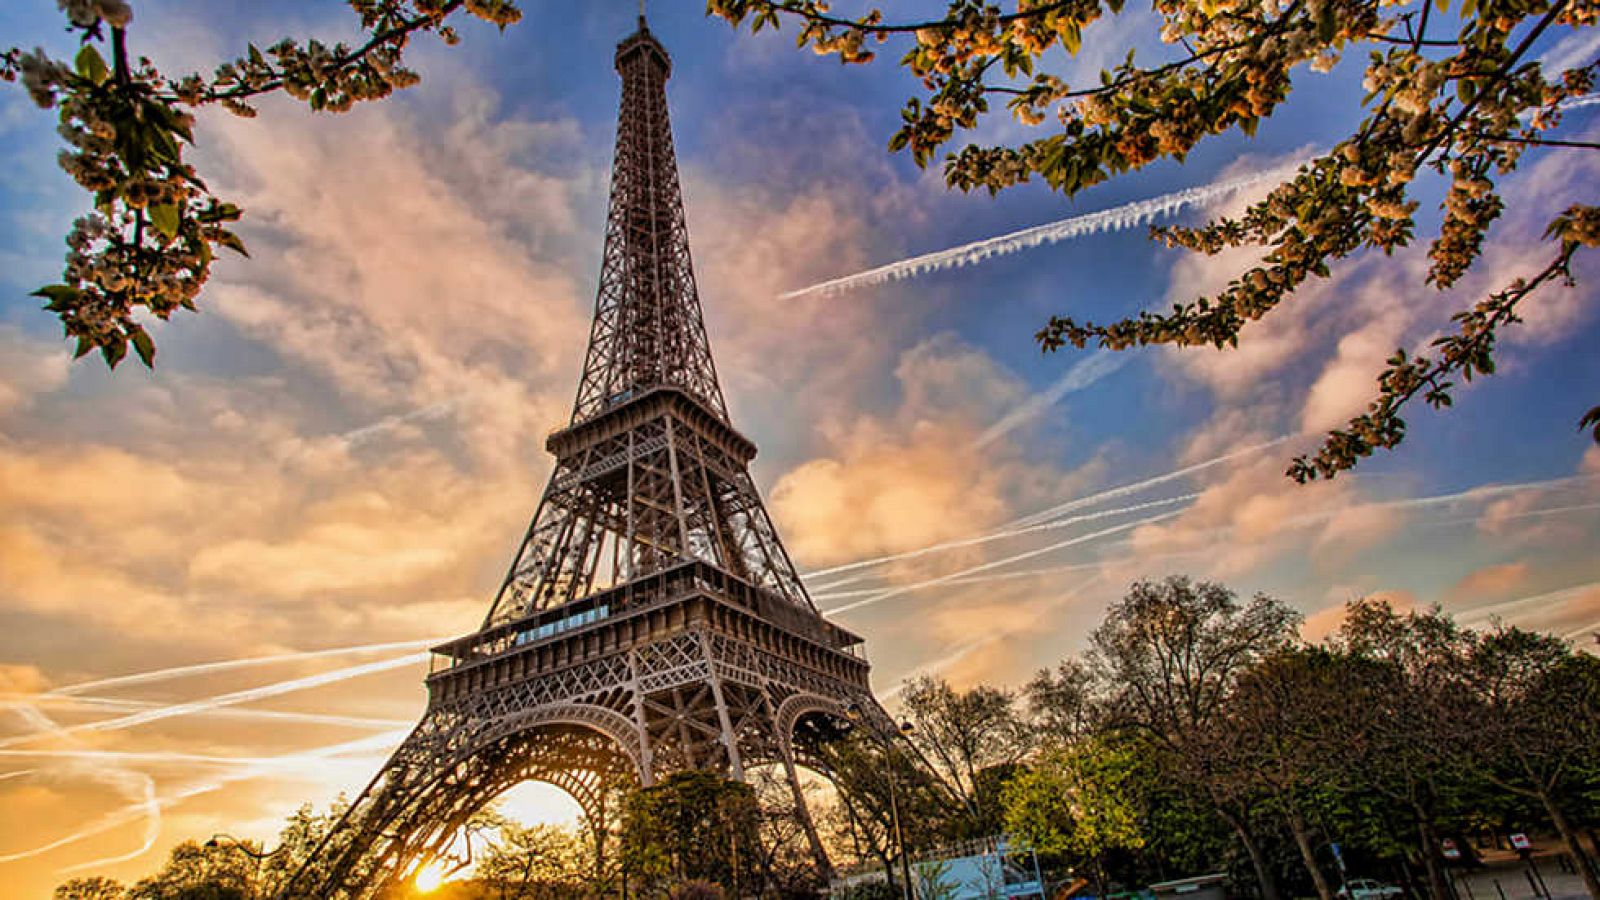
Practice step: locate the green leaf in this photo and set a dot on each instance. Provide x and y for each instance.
(61, 296)
(91, 66)
(1327, 23)
(1072, 38)
(114, 352)
(164, 216)
(231, 241)
(144, 346)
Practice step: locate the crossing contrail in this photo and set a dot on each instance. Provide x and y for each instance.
(113, 704)
(1005, 533)
(1052, 512)
(1018, 557)
(1082, 375)
(229, 664)
(1479, 613)
(133, 812)
(1485, 492)
(1154, 481)
(245, 696)
(1117, 218)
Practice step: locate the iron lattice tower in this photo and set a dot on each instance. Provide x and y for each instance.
(651, 621)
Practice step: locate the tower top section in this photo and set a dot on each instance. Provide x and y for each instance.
(643, 43)
(648, 332)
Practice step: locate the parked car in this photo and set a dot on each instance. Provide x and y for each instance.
(1367, 889)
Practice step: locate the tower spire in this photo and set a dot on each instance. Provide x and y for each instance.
(648, 330)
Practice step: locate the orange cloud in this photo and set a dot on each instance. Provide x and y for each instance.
(1493, 581)
(1326, 622)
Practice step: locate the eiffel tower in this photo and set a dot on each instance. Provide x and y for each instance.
(652, 621)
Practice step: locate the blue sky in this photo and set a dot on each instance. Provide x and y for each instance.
(343, 447)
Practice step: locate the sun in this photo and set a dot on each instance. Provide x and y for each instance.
(429, 877)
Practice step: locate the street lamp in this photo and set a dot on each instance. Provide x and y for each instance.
(884, 737)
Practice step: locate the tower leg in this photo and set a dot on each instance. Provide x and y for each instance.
(730, 740)
(819, 854)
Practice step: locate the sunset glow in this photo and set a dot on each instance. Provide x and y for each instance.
(219, 579)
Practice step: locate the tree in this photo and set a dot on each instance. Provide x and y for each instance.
(968, 740)
(1077, 800)
(1536, 724)
(535, 861)
(693, 825)
(1061, 703)
(1173, 651)
(146, 246)
(96, 888)
(1281, 712)
(201, 872)
(1413, 689)
(1466, 105)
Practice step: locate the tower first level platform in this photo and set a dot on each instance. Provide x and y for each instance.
(689, 667)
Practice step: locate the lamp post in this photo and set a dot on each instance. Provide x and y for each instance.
(884, 738)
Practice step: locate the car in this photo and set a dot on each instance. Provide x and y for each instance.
(1367, 889)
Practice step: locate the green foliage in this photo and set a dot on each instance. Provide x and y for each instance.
(1077, 800)
(1466, 105)
(691, 826)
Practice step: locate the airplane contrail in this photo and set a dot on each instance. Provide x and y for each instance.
(113, 704)
(245, 696)
(1082, 375)
(1484, 492)
(1479, 613)
(228, 664)
(1154, 481)
(374, 743)
(1054, 511)
(1025, 573)
(1117, 218)
(961, 651)
(984, 567)
(1003, 534)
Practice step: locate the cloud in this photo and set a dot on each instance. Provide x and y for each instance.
(912, 479)
(31, 367)
(17, 678)
(1493, 581)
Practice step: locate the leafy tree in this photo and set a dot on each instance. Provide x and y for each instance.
(876, 781)
(1173, 651)
(960, 736)
(1077, 800)
(1536, 724)
(1456, 95)
(96, 888)
(1280, 712)
(201, 872)
(1413, 691)
(1061, 702)
(693, 825)
(533, 861)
